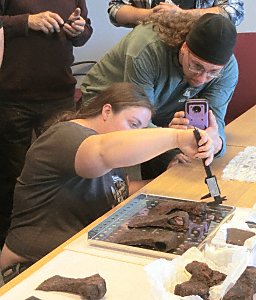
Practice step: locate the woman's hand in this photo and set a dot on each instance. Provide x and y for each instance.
(180, 122)
(187, 143)
(213, 132)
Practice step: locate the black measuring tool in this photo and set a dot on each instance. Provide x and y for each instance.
(210, 180)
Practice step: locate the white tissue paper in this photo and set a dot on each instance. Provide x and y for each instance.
(164, 275)
(251, 216)
(242, 167)
(241, 216)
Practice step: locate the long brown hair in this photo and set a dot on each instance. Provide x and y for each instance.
(120, 95)
(172, 27)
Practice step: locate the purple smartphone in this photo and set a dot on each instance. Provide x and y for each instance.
(196, 110)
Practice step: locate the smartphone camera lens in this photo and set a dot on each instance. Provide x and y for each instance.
(196, 109)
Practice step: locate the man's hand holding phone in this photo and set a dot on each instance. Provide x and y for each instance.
(181, 122)
(75, 23)
(196, 114)
(197, 111)
(213, 132)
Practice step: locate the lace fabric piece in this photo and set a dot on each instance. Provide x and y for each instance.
(242, 167)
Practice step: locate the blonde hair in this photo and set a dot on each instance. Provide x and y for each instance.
(172, 27)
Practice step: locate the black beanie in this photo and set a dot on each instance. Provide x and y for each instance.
(212, 38)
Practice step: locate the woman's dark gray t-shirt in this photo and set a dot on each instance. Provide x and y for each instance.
(52, 203)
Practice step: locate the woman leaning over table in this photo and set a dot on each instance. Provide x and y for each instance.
(73, 175)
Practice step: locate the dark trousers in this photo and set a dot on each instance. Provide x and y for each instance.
(156, 166)
(17, 122)
(14, 270)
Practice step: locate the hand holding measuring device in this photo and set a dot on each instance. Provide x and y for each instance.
(210, 180)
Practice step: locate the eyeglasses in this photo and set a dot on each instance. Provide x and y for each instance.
(199, 70)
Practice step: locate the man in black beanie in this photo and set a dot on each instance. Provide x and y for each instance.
(174, 59)
(212, 38)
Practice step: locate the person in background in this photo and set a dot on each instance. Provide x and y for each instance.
(36, 81)
(72, 173)
(129, 13)
(174, 58)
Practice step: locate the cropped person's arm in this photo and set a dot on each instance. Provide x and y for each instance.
(123, 13)
(213, 10)
(234, 9)
(127, 15)
(164, 6)
(98, 154)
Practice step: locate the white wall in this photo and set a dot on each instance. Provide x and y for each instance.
(106, 35)
(249, 23)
